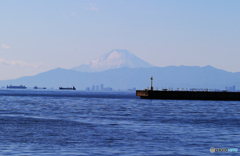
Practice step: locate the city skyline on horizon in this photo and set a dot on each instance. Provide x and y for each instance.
(37, 36)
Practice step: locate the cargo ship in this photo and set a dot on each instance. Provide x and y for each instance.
(16, 87)
(70, 88)
(188, 95)
(39, 87)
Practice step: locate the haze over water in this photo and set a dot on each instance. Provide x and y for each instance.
(52, 122)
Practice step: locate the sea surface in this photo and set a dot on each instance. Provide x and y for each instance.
(56, 122)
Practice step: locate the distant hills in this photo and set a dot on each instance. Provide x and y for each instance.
(120, 69)
(126, 78)
(117, 58)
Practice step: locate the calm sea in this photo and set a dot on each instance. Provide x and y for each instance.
(53, 122)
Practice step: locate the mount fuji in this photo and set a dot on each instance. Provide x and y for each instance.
(116, 58)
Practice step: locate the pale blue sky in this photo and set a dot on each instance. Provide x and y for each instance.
(40, 35)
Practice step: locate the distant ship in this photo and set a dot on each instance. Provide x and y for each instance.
(39, 87)
(188, 95)
(70, 88)
(16, 87)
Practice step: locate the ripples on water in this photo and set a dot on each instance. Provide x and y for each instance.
(114, 123)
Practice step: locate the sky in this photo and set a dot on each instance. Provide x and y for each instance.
(40, 35)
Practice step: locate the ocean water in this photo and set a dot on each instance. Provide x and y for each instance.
(53, 122)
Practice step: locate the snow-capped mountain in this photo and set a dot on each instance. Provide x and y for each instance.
(116, 58)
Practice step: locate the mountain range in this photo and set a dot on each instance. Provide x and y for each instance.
(126, 78)
(121, 69)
